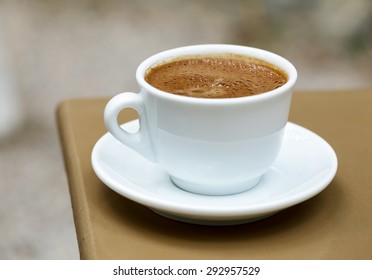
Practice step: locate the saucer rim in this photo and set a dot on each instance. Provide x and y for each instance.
(260, 208)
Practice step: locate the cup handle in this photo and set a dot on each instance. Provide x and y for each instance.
(138, 141)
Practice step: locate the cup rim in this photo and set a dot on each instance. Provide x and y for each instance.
(211, 49)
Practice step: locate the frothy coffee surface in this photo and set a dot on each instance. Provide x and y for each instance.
(216, 77)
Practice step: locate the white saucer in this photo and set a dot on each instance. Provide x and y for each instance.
(305, 166)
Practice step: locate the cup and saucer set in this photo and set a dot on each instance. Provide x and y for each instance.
(212, 161)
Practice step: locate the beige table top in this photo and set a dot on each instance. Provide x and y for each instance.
(336, 224)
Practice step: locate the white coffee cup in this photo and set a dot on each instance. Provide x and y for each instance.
(207, 146)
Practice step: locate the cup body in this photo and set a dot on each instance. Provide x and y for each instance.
(212, 146)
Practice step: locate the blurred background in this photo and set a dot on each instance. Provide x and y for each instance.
(55, 50)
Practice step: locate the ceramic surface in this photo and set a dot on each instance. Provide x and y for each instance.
(305, 166)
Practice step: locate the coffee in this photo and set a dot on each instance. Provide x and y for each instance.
(225, 76)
